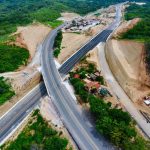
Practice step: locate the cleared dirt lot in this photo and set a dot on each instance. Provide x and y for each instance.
(70, 44)
(67, 16)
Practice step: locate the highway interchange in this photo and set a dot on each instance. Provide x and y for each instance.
(75, 121)
(79, 126)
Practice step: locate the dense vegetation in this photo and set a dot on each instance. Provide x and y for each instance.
(38, 135)
(57, 44)
(113, 123)
(22, 12)
(5, 91)
(142, 30)
(11, 57)
(116, 125)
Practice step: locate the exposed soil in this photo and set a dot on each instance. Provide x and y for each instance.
(125, 26)
(70, 44)
(126, 61)
(31, 36)
(27, 77)
(66, 16)
(73, 41)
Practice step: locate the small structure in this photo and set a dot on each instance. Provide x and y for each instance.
(104, 92)
(147, 102)
(92, 85)
(97, 73)
(81, 24)
(77, 76)
(92, 77)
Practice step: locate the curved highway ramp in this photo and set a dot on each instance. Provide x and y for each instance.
(82, 131)
(79, 126)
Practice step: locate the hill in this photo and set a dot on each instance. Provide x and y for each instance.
(141, 31)
(22, 12)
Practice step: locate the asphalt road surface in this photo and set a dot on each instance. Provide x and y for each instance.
(26, 105)
(10, 120)
(80, 127)
(101, 37)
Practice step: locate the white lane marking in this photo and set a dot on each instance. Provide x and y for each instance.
(13, 131)
(21, 100)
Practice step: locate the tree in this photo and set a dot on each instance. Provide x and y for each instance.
(120, 115)
(104, 125)
(84, 95)
(56, 52)
(83, 74)
(79, 86)
(91, 68)
(137, 144)
(98, 107)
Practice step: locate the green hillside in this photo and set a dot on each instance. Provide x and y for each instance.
(141, 31)
(14, 13)
(22, 12)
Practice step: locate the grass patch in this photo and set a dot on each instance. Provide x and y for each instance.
(57, 44)
(97, 14)
(55, 23)
(6, 91)
(141, 31)
(12, 57)
(37, 135)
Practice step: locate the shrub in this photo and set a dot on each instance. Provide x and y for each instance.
(6, 91)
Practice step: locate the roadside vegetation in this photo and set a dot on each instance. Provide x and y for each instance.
(11, 57)
(79, 84)
(38, 134)
(141, 31)
(57, 44)
(55, 23)
(115, 124)
(6, 91)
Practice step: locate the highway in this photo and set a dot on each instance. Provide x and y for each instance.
(74, 119)
(100, 37)
(16, 114)
(69, 64)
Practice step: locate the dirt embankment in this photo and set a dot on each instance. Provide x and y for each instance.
(31, 36)
(27, 77)
(125, 26)
(126, 61)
